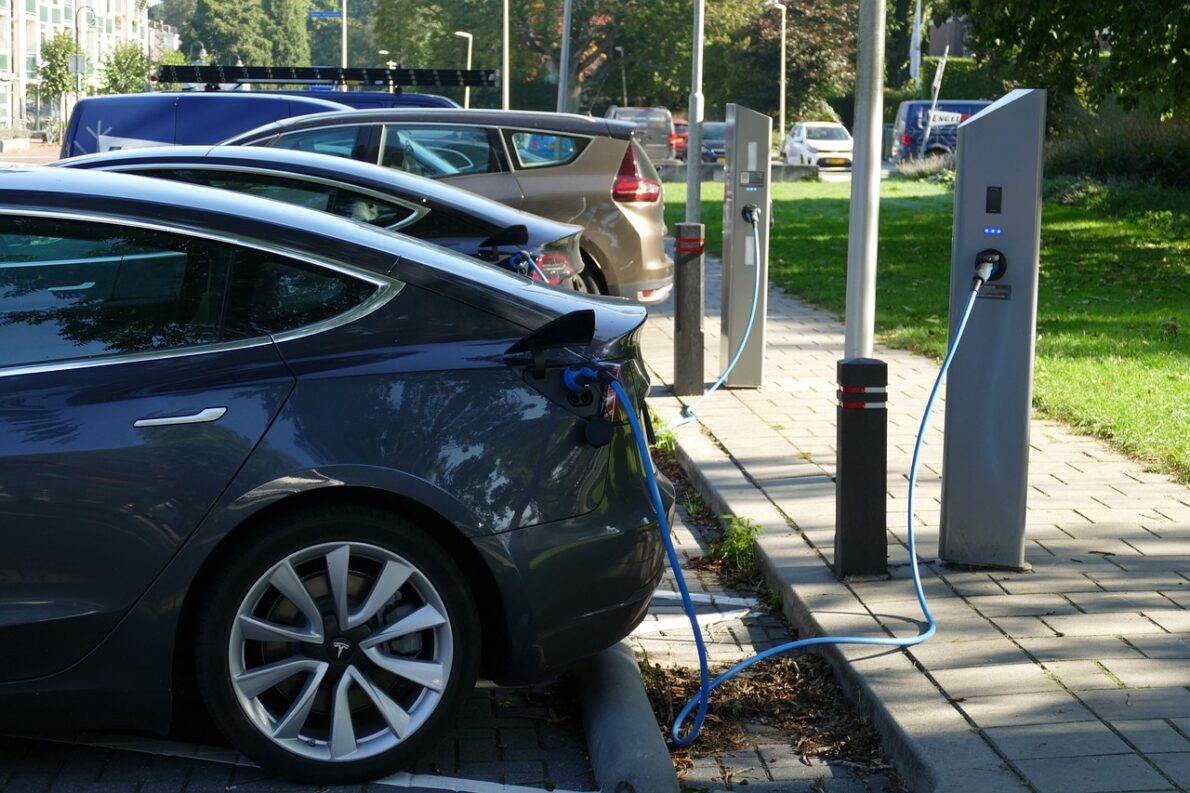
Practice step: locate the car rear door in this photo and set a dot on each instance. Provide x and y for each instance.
(127, 403)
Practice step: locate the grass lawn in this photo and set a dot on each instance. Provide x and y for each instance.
(1113, 346)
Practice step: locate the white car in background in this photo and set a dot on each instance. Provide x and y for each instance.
(826, 144)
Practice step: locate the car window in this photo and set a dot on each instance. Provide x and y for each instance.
(466, 150)
(826, 133)
(72, 289)
(274, 294)
(538, 149)
(336, 199)
(339, 141)
(436, 152)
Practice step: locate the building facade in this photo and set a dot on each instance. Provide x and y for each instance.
(98, 25)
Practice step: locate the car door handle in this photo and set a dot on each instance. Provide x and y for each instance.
(201, 417)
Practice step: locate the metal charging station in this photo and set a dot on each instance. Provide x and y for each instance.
(989, 391)
(746, 180)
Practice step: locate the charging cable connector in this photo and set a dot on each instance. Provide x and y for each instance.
(989, 266)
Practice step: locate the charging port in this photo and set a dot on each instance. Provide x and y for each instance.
(990, 265)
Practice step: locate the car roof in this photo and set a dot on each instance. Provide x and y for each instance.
(350, 172)
(326, 103)
(515, 119)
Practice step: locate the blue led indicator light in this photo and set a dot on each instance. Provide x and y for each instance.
(994, 231)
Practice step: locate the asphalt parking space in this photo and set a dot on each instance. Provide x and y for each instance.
(506, 740)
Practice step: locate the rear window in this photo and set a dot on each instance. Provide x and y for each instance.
(539, 149)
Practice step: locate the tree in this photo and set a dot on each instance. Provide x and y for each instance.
(1089, 48)
(54, 73)
(175, 13)
(291, 41)
(326, 35)
(125, 70)
(230, 29)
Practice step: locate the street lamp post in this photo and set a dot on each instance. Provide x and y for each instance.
(78, 76)
(623, 76)
(781, 131)
(390, 64)
(505, 82)
(470, 40)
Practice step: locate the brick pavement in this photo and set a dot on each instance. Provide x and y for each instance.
(1072, 678)
(526, 739)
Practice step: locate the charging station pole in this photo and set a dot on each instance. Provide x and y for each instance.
(746, 180)
(989, 390)
(689, 302)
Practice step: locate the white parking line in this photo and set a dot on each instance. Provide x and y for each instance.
(714, 600)
(681, 622)
(214, 754)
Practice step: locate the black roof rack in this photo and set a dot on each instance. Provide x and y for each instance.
(213, 76)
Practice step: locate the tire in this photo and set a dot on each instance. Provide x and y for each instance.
(592, 277)
(337, 644)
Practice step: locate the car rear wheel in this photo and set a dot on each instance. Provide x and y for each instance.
(336, 645)
(592, 277)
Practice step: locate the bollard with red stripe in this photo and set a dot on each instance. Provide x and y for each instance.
(688, 309)
(861, 539)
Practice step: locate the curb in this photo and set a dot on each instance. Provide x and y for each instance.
(627, 752)
(933, 747)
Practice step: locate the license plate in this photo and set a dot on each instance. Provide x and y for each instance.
(835, 161)
(722, 160)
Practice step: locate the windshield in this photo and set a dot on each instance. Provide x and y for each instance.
(714, 130)
(827, 133)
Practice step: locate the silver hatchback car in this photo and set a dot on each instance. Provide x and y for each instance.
(571, 168)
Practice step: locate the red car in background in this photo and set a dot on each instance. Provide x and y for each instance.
(677, 141)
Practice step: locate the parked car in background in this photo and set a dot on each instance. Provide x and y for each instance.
(423, 208)
(654, 128)
(909, 128)
(714, 142)
(570, 168)
(826, 144)
(681, 138)
(324, 473)
(167, 118)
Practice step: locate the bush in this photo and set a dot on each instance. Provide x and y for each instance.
(938, 169)
(1126, 147)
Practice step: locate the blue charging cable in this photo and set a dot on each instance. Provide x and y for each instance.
(577, 378)
(752, 215)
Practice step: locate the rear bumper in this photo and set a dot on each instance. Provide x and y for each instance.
(574, 587)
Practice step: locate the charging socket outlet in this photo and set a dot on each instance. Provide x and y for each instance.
(996, 259)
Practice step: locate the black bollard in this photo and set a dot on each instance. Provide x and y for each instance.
(689, 265)
(861, 539)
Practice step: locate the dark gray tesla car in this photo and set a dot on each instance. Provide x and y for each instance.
(322, 473)
(394, 200)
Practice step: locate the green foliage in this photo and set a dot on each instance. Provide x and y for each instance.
(963, 78)
(173, 12)
(56, 77)
(230, 29)
(738, 545)
(1058, 46)
(938, 170)
(326, 35)
(287, 31)
(774, 601)
(1128, 147)
(125, 70)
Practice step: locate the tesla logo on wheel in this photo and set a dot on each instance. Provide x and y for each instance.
(340, 648)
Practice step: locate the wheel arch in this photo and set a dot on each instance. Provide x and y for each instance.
(488, 600)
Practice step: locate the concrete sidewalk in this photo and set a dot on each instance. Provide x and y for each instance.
(1072, 678)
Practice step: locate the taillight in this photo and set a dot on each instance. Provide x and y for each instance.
(630, 186)
(612, 409)
(555, 266)
(905, 140)
(673, 139)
